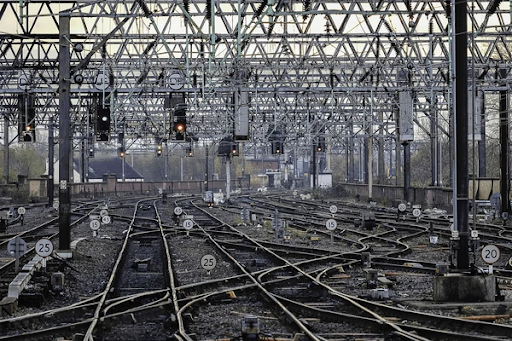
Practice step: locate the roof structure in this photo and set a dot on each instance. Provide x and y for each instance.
(341, 70)
(99, 167)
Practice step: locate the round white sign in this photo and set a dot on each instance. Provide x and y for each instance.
(56, 205)
(188, 224)
(17, 247)
(178, 210)
(103, 213)
(331, 224)
(105, 219)
(333, 209)
(176, 81)
(21, 210)
(402, 207)
(208, 262)
(490, 254)
(416, 212)
(44, 247)
(23, 83)
(102, 81)
(95, 225)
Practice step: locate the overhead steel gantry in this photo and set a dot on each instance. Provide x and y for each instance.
(343, 70)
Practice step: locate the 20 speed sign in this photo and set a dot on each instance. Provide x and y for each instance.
(490, 254)
(44, 247)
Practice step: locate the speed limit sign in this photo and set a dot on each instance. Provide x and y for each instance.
(208, 262)
(21, 210)
(490, 254)
(44, 247)
(331, 224)
(178, 210)
(333, 209)
(188, 224)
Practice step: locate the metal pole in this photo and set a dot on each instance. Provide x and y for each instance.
(228, 177)
(181, 168)
(64, 133)
(461, 131)
(206, 171)
(407, 170)
(6, 149)
(504, 140)
(51, 187)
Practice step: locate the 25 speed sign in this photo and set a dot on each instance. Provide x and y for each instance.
(44, 247)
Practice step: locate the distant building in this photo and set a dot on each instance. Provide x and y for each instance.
(98, 168)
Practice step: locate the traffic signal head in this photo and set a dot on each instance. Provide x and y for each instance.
(190, 151)
(103, 124)
(120, 152)
(277, 147)
(158, 150)
(180, 127)
(234, 149)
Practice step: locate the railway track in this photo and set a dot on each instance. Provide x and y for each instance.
(159, 287)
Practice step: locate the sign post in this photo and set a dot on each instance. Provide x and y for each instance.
(490, 254)
(17, 248)
(208, 262)
(331, 225)
(44, 248)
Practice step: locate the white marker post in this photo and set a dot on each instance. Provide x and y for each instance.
(95, 226)
(44, 248)
(331, 225)
(490, 254)
(187, 225)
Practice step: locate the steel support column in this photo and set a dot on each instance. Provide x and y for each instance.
(407, 170)
(64, 133)
(504, 141)
(6, 149)
(482, 157)
(51, 187)
(461, 131)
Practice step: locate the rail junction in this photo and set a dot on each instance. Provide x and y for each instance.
(308, 96)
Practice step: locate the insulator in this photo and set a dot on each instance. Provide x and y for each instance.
(194, 80)
(270, 29)
(186, 5)
(208, 10)
(494, 6)
(260, 8)
(408, 5)
(448, 8)
(388, 26)
(431, 27)
(306, 5)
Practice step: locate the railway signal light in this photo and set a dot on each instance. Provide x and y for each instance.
(277, 147)
(26, 118)
(103, 124)
(159, 150)
(235, 149)
(121, 152)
